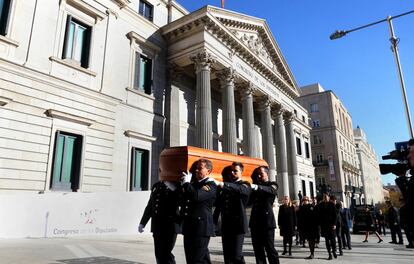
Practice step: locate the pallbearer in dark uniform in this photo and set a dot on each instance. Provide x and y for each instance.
(199, 196)
(231, 203)
(162, 208)
(327, 221)
(309, 224)
(262, 219)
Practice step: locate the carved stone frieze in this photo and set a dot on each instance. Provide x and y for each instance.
(226, 76)
(246, 89)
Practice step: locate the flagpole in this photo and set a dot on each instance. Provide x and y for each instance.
(222, 3)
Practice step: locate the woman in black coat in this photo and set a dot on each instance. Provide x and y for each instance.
(370, 223)
(287, 223)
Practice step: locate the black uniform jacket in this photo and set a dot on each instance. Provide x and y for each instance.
(196, 211)
(287, 220)
(262, 216)
(308, 221)
(231, 203)
(327, 218)
(162, 208)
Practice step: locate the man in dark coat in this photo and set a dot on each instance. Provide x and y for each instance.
(327, 221)
(393, 220)
(287, 223)
(262, 219)
(199, 196)
(231, 204)
(346, 220)
(162, 208)
(308, 223)
(338, 224)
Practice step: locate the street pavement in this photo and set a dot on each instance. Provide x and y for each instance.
(139, 249)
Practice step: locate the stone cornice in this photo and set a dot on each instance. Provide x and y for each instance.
(201, 18)
(122, 3)
(133, 36)
(69, 117)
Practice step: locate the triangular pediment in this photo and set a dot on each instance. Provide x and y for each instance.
(257, 37)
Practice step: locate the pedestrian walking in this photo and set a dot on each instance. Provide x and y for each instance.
(262, 219)
(338, 224)
(393, 220)
(199, 196)
(405, 225)
(327, 221)
(346, 226)
(370, 223)
(308, 223)
(162, 209)
(232, 198)
(287, 223)
(381, 223)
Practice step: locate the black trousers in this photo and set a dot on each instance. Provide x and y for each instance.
(233, 248)
(264, 240)
(338, 233)
(396, 231)
(196, 249)
(163, 246)
(330, 242)
(346, 237)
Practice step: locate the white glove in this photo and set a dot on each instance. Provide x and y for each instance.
(141, 228)
(218, 183)
(170, 185)
(254, 186)
(186, 177)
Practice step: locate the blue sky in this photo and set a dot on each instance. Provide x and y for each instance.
(359, 68)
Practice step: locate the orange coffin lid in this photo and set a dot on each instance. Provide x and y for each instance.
(175, 160)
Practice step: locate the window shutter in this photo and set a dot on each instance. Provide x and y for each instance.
(4, 19)
(137, 70)
(66, 41)
(86, 47)
(149, 77)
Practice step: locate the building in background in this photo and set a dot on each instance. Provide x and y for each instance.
(368, 164)
(92, 91)
(332, 143)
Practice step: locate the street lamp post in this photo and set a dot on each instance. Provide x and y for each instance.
(394, 42)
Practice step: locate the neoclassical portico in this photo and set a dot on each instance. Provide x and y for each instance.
(236, 57)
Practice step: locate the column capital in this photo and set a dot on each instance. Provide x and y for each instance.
(226, 76)
(246, 89)
(202, 60)
(263, 102)
(288, 117)
(277, 110)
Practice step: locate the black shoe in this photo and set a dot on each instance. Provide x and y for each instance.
(341, 253)
(393, 242)
(349, 248)
(401, 243)
(334, 254)
(409, 246)
(284, 252)
(330, 257)
(380, 240)
(365, 241)
(310, 257)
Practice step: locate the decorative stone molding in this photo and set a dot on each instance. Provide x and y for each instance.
(122, 3)
(134, 134)
(4, 100)
(174, 72)
(87, 8)
(263, 102)
(288, 117)
(202, 60)
(246, 89)
(73, 64)
(69, 117)
(277, 109)
(140, 40)
(112, 12)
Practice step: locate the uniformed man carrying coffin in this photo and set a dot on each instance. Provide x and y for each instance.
(231, 203)
(162, 208)
(199, 196)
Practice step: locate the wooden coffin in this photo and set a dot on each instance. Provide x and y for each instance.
(175, 160)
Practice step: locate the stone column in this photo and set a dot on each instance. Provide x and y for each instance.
(249, 147)
(172, 107)
(226, 78)
(291, 153)
(267, 136)
(281, 154)
(204, 128)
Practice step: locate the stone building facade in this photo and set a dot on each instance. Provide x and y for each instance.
(368, 164)
(92, 91)
(332, 142)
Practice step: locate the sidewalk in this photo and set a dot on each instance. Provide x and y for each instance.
(139, 249)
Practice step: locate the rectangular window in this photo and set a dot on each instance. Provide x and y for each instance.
(319, 158)
(77, 42)
(303, 188)
(314, 108)
(4, 16)
(66, 162)
(143, 73)
(146, 10)
(315, 123)
(317, 139)
(307, 150)
(298, 146)
(139, 169)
